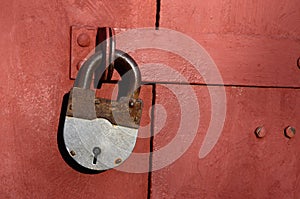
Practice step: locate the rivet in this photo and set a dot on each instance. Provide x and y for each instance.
(118, 161)
(298, 62)
(260, 132)
(72, 153)
(83, 40)
(290, 132)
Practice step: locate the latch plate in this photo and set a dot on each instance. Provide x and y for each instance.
(83, 42)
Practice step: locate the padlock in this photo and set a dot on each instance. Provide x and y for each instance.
(100, 134)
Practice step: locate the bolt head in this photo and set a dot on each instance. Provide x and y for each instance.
(290, 132)
(260, 132)
(83, 40)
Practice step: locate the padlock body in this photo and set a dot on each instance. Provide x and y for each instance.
(114, 131)
(116, 143)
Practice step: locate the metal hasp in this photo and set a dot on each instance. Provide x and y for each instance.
(100, 134)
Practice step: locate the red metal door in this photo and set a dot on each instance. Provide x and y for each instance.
(255, 46)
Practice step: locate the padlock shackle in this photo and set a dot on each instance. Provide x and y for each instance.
(124, 64)
(86, 71)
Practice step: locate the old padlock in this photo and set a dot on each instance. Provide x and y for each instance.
(100, 134)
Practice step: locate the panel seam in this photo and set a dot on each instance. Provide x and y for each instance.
(157, 20)
(222, 85)
(152, 119)
(211, 85)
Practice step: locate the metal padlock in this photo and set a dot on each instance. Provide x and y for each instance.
(100, 134)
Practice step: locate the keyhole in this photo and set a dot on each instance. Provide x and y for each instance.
(96, 152)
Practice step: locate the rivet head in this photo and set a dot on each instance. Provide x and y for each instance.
(72, 153)
(83, 40)
(290, 132)
(118, 161)
(260, 132)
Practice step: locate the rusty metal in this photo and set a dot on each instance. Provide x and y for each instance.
(260, 132)
(116, 112)
(83, 40)
(128, 96)
(290, 132)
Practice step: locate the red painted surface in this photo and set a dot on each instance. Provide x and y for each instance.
(240, 165)
(252, 42)
(35, 57)
(32, 166)
(81, 49)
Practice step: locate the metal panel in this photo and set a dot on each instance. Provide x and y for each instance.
(240, 165)
(35, 54)
(33, 167)
(252, 42)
